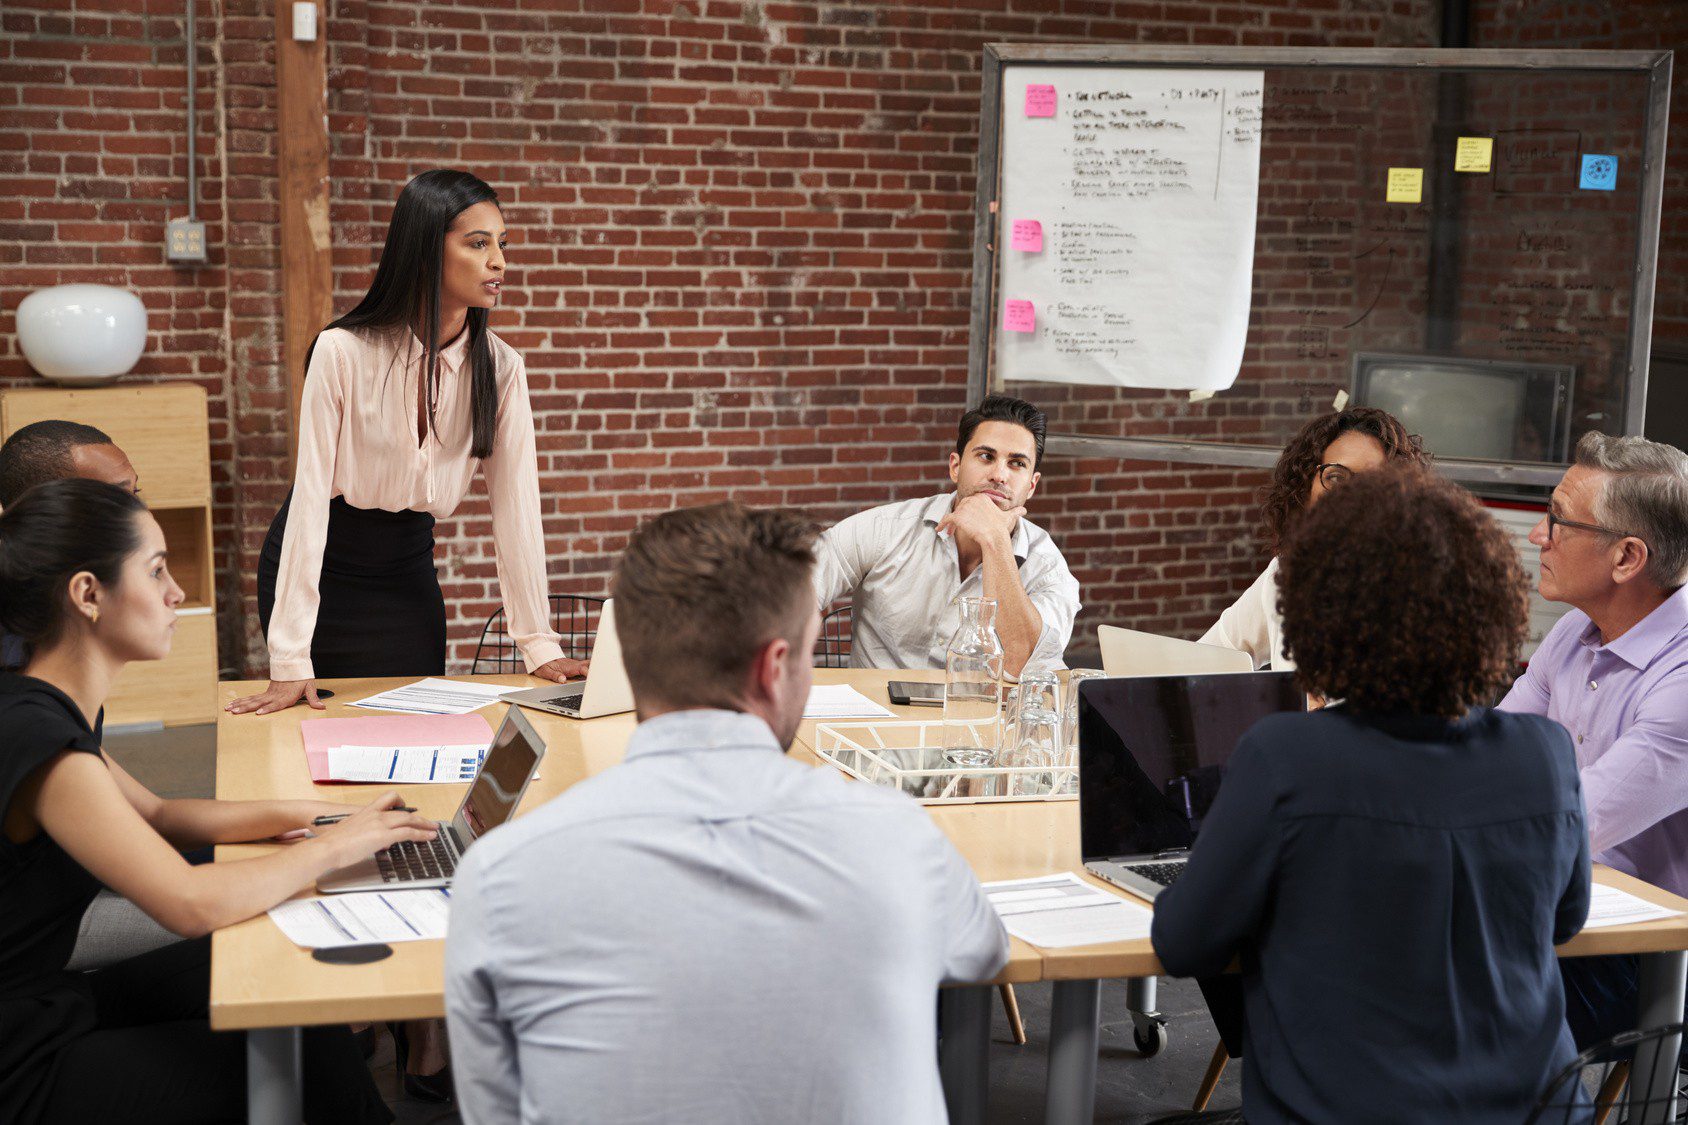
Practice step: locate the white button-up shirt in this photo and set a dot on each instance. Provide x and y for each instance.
(904, 582)
(710, 932)
(1251, 624)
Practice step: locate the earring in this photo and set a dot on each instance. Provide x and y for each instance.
(93, 617)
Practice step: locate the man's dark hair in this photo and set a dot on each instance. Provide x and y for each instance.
(699, 591)
(40, 452)
(1003, 408)
(1401, 595)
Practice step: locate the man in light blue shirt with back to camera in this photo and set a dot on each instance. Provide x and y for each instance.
(710, 931)
(1614, 672)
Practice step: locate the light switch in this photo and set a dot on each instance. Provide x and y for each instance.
(304, 21)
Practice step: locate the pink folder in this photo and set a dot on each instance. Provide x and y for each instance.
(394, 730)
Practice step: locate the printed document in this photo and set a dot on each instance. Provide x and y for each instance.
(405, 765)
(436, 697)
(1608, 906)
(1054, 911)
(358, 919)
(841, 701)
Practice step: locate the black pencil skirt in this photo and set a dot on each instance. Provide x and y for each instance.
(381, 610)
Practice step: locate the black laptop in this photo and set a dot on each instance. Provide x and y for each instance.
(1152, 752)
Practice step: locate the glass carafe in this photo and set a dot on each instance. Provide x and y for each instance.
(973, 687)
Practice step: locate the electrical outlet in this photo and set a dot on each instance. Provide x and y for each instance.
(184, 241)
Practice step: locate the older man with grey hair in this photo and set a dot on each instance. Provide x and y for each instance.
(1614, 671)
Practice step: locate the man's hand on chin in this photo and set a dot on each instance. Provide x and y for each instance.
(978, 519)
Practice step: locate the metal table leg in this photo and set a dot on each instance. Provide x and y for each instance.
(273, 1088)
(1075, 1034)
(1663, 981)
(964, 1056)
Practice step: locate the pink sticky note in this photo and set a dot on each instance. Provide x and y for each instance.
(1019, 316)
(1028, 234)
(1040, 101)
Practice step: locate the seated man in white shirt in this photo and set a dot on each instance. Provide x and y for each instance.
(906, 566)
(710, 931)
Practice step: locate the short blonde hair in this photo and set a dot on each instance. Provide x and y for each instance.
(699, 591)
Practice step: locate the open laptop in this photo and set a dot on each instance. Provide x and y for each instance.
(1152, 752)
(1128, 652)
(604, 691)
(509, 765)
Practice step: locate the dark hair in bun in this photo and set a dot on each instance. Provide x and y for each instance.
(55, 531)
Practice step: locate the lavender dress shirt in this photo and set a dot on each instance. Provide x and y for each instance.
(1626, 706)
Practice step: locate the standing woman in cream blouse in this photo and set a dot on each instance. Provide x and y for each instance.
(404, 396)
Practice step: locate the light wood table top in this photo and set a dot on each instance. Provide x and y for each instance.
(261, 979)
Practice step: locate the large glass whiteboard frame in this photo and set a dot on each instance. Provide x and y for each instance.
(986, 234)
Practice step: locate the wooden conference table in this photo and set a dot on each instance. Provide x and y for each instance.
(263, 984)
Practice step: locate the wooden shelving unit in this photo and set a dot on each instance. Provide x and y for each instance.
(165, 431)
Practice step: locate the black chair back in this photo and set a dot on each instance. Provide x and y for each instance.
(1648, 1058)
(832, 647)
(573, 616)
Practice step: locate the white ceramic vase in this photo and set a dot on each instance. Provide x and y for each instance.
(82, 334)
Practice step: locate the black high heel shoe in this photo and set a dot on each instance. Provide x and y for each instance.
(435, 1088)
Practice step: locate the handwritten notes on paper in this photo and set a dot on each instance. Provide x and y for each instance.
(1406, 185)
(1028, 235)
(1473, 154)
(1040, 100)
(1145, 186)
(1019, 316)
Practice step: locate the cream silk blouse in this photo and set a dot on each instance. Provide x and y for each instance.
(358, 439)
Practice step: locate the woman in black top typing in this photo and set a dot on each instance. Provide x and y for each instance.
(1393, 872)
(83, 581)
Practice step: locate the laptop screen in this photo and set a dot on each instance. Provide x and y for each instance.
(501, 780)
(1152, 752)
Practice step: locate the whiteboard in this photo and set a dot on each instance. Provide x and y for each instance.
(1127, 222)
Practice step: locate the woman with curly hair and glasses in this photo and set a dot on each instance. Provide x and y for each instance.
(1328, 451)
(1393, 871)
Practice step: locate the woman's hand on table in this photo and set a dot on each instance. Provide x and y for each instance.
(280, 695)
(561, 670)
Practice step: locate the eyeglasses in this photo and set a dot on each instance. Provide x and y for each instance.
(1554, 521)
(1332, 474)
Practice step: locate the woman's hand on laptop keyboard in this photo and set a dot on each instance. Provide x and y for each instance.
(378, 825)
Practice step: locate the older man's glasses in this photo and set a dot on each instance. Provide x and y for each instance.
(1331, 474)
(1554, 521)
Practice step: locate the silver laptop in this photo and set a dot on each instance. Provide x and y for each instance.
(1129, 652)
(509, 765)
(604, 691)
(1152, 751)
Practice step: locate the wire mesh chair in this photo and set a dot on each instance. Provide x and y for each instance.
(1647, 1060)
(832, 647)
(573, 616)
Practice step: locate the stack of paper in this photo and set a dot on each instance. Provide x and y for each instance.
(323, 735)
(1608, 906)
(841, 701)
(436, 697)
(405, 765)
(1053, 911)
(358, 919)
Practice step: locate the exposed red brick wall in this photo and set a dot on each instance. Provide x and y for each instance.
(741, 248)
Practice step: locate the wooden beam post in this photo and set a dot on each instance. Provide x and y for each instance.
(307, 282)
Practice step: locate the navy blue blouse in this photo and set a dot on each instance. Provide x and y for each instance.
(1393, 888)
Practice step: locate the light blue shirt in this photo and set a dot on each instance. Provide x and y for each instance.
(905, 585)
(710, 932)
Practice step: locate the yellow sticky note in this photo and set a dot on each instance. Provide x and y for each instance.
(1406, 185)
(1472, 154)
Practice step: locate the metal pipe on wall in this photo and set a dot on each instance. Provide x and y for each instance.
(193, 117)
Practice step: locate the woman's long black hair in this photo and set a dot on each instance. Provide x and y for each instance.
(406, 290)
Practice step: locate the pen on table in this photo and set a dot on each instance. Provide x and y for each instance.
(324, 820)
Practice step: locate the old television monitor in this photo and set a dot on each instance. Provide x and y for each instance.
(1473, 409)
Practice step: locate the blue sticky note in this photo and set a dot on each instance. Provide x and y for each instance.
(1599, 173)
